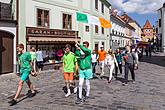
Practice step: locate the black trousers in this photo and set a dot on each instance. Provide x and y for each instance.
(40, 64)
(116, 69)
(131, 68)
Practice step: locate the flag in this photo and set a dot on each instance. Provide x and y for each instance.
(82, 17)
(105, 23)
(85, 18)
(94, 20)
(124, 1)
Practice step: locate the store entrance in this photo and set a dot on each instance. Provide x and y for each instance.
(52, 51)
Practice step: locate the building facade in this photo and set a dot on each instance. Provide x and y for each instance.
(50, 24)
(129, 34)
(7, 38)
(137, 33)
(148, 32)
(117, 32)
(161, 27)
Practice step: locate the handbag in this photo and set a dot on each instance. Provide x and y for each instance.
(136, 67)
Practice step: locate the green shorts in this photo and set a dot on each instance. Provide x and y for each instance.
(24, 75)
(86, 74)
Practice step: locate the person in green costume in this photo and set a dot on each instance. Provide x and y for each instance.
(25, 70)
(83, 55)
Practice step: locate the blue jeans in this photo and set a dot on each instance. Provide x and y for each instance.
(94, 67)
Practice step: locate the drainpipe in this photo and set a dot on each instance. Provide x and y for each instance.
(110, 8)
(17, 20)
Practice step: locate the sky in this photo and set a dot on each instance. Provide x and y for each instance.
(139, 10)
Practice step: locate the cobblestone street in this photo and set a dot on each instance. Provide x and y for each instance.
(148, 93)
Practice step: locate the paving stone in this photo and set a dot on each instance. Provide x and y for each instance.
(148, 93)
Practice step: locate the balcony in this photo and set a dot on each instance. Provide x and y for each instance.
(5, 11)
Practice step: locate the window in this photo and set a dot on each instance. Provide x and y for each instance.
(96, 4)
(102, 30)
(42, 18)
(159, 22)
(96, 29)
(102, 44)
(118, 41)
(87, 28)
(102, 7)
(112, 31)
(96, 47)
(156, 30)
(67, 21)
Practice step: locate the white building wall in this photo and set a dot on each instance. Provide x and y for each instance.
(163, 29)
(28, 18)
(118, 27)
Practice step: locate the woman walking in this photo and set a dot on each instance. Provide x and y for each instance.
(110, 61)
(119, 61)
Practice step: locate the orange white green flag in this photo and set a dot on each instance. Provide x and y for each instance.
(85, 18)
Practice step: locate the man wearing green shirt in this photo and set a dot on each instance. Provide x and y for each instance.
(25, 71)
(69, 65)
(85, 71)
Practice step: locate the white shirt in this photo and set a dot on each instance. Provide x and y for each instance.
(39, 56)
(94, 58)
(109, 60)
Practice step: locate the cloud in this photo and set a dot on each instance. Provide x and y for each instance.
(138, 6)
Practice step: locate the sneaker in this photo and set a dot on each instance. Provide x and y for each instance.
(79, 101)
(68, 94)
(75, 90)
(28, 93)
(124, 84)
(32, 94)
(109, 81)
(86, 99)
(12, 102)
(133, 81)
(101, 74)
(115, 77)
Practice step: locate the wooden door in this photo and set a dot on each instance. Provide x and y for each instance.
(6, 54)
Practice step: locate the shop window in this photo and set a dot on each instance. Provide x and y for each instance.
(102, 30)
(87, 28)
(42, 18)
(96, 4)
(96, 29)
(67, 21)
